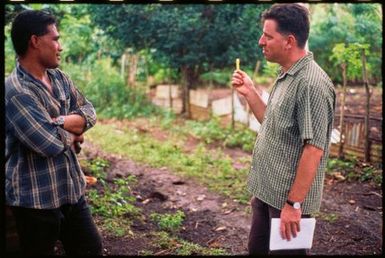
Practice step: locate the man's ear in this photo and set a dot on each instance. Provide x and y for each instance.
(34, 41)
(291, 42)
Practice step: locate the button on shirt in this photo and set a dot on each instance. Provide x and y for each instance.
(300, 110)
(41, 169)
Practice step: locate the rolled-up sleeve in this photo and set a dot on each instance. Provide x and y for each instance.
(80, 105)
(83, 107)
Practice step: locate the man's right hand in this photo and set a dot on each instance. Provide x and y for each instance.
(76, 141)
(242, 83)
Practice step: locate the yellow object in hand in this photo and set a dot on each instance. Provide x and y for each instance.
(237, 63)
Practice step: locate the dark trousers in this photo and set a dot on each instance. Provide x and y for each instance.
(260, 230)
(72, 224)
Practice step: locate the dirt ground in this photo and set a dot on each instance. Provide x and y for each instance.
(351, 221)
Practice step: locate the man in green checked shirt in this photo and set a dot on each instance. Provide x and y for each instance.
(292, 146)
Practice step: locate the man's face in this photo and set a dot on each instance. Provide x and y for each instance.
(272, 42)
(50, 48)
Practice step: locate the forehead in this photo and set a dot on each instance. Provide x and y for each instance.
(270, 26)
(52, 30)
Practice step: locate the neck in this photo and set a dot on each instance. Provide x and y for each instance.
(292, 58)
(34, 68)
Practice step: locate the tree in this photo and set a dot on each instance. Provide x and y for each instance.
(192, 38)
(349, 57)
(348, 23)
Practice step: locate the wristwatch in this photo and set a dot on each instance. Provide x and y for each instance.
(60, 121)
(295, 205)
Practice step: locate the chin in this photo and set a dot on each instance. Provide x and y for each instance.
(53, 66)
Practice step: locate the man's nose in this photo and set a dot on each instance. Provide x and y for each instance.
(261, 41)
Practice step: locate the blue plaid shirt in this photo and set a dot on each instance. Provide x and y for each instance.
(41, 169)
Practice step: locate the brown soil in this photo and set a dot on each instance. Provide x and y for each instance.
(350, 221)
(350, 224)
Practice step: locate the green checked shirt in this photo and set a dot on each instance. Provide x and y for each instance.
(300, 110)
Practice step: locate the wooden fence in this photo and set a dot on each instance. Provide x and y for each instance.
(355, 137)
(203, 105)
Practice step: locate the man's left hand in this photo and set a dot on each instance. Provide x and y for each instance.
(290, 219)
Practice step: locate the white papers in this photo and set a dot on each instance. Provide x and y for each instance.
(304, 239)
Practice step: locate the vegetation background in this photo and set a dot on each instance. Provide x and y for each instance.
(116, 53)
(191, 44)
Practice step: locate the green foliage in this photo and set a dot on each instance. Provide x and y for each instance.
(192, 38)
(339, 164)
(351, 56)
(143, 148)
(269, 73)
(243, 138)
(217, 77)
(169, 222)
(355, 171)
(270, 69)
(209, 131)
(105, 88)
(346, 23)
(371, 174)
(97, 168)
(212, 131)
(10, 55)
(114, 202)
(183, 247)
(329, 217)
(172, 38)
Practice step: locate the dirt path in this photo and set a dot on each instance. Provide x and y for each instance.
(350, 222)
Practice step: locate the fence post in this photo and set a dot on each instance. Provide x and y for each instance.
(366, 84)
(342, 112)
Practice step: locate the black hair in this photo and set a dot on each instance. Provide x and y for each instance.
(26, 24)
(291, 19)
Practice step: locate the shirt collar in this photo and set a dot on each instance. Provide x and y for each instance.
(297, 65)
(27, 76)
(24, 73)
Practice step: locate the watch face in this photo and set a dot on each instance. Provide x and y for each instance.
(60, 120)
(297, 205)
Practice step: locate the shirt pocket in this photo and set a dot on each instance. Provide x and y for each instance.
(284, 117)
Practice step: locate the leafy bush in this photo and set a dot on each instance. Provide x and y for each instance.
(209, 131)
(212, 131)
(353, 170)
(217, 77)
(244, 139)
(101, 83)
(339, 164)
(169, 222)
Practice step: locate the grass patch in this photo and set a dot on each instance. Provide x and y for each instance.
(176, 246)
(168, 222)
(354, 170)
(329, 217)
(112, 202)
(212, 168)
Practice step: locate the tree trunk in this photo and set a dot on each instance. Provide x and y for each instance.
(132, 68)
(342, 113)
(123, 65)
(190, 76)
(170, 97)
(186, 89)
(367, 115)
